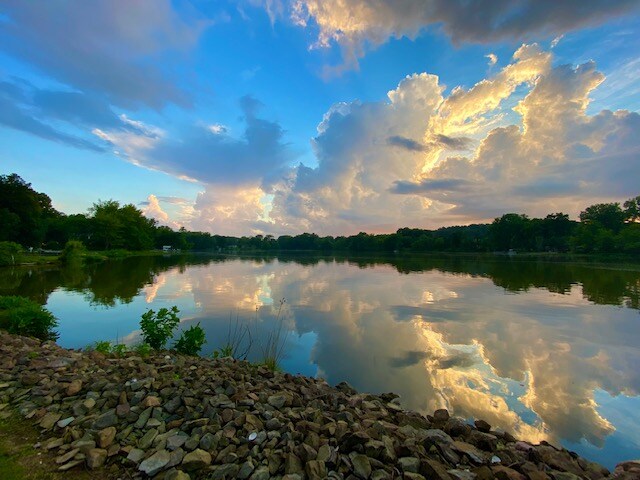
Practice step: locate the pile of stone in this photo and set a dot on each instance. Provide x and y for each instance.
(173, 417)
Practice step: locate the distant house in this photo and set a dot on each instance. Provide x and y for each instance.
(167, 248)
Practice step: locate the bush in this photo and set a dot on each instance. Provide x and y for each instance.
(72, 252)
(142, 349)
(103, 347)
(157, 328)
(191, 341)
(9, 253)
(21, 316)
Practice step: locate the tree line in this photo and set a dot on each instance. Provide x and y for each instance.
(27, 218)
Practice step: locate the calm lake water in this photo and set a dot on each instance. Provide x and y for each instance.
(545, 350)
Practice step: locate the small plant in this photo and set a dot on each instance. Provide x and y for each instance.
(142, 349)
(191, 341)
(21, 316)
(33, 355)
(103, 347)
(157, 328)
(119, 350)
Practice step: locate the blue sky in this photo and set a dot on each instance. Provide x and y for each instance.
(244, 117)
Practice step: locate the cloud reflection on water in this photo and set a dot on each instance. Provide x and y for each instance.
(526, 362)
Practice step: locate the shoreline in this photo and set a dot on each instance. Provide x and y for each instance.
(175, 417)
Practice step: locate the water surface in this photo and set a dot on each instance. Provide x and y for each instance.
(545, 350)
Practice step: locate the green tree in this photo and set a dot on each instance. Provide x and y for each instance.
(24, 213)
(605, 215)
(632, 209)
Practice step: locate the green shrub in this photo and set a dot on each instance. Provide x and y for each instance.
(9, 253)
(191, 341)
(119, 350)
(21, 316)
(72, 252)
(157, 328)
(102, 346)
(142, 349)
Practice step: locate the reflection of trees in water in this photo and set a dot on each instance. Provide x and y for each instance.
(103, 283)
(106, 283)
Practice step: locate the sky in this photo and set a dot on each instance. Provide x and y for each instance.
(246, 117)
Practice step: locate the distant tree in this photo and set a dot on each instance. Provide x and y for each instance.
(24, 213)
(510, 232)
(632, 209)
(605, 215)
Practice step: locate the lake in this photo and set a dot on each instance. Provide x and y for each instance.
(546, 350)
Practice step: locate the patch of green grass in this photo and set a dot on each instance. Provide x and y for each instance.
(20, 461)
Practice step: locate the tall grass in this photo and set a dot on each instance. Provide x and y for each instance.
(273, 349)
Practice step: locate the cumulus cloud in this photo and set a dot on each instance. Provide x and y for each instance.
(426, 159)
(105, 47)
(358, 24)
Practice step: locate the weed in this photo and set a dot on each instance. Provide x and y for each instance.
(103, 347)
(33, 355)
(273, 349)
(119, 350)
(157, 328)
(142, 349)
(191, 340)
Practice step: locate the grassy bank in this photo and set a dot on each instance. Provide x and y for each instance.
(20, 461)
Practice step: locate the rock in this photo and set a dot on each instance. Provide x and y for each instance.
(196, 460)
(484, 441)
(441, 415)
(409, 464)
(147, 439)
(65, 422)
(505, 473)
(67, 456)
(177, 441)
(361, 465)
(316, 470)
(135, 456)
(246, 469)
(155, 463)
(150, 401)
(107, 419)
(482, 426)
(260, 473)
(277, 401)
(292, 464)
(434, 470)
(176, 475)
(223, 472)
(105, 437)
(457, 474)
(49, 420)
(74, 388)
(435, 437)
(475, 455)
(96, 458)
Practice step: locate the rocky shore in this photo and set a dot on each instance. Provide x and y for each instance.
(174, 417)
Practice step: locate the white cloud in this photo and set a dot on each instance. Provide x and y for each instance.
(154, 210)
(493, 59)
(422, 158)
